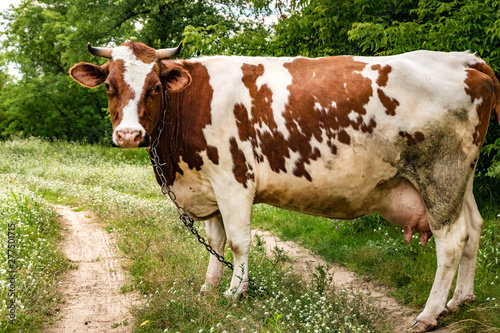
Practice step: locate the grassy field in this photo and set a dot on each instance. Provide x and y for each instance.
(167, 265)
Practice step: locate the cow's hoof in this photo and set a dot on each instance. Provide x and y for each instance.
(421, 326)
(445, 312)
(231, 293)
(454, 306)
(206, 288)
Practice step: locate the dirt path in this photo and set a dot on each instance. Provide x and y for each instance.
(93, 301)
(303, 260)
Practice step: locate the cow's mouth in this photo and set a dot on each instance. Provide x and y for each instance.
(145, 143)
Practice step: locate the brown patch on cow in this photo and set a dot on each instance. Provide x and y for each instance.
(344, 137)
(189, 112)
(242, 171)
(482, 84)
(143, 52)
(368, 128)
(383, 77)
(119, 93)
(151, 100)
(390, 104)
(213, 154)
(412, 139)
(334, 101)
(272, 142)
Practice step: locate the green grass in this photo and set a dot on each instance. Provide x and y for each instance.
(167, 265)
(38, 264)
(376, 249)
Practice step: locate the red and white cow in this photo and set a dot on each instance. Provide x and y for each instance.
(338, 136)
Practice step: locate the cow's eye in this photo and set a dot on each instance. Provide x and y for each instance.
(109, 89)
(154, 91)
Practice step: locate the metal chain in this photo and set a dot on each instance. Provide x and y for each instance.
(167, 192)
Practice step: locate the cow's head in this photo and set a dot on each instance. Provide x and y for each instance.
(135, 80)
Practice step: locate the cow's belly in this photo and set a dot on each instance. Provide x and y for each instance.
(341, 187)
(353, 192)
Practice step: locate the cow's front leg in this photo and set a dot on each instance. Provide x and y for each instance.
(236, 215)
(216, 237)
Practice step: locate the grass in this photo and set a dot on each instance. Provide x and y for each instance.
(167, 266)
(31, 277)
(165, 263)
(374, 248)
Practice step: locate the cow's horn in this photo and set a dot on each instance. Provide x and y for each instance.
(168, 53)
(104, 52)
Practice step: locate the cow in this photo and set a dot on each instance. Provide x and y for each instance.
(340, 137)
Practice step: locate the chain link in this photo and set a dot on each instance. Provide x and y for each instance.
(167, 192)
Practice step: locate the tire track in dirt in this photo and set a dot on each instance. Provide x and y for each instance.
(304, 261)
(93, 301)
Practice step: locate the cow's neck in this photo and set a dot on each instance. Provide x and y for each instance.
(182, 139)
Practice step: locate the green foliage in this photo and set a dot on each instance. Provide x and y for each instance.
(436, 25)
(52, 106)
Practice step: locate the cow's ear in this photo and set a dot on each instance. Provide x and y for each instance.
(176, 80)
(89, 75)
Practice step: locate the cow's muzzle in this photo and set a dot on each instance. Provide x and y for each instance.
(131, 139)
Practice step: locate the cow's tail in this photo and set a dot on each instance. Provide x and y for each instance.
(497, 94)
(496, 86)
(484, 68)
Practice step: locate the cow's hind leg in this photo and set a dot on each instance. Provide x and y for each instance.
(216, 236)
(450, 243)
(464, 290)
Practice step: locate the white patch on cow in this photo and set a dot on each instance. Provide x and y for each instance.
(135, 76)
(423, 99)
(277, 78)
(353, 116)
(317, 106)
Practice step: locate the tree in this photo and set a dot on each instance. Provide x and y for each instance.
(44, 102)
(457, 25)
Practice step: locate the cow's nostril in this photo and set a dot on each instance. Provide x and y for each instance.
(119, 138)
(137, 137)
